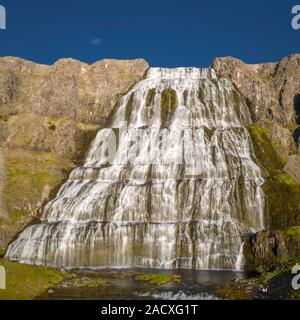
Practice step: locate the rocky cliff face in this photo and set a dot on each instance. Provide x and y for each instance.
(48, 117)
(272, 89)
(269, 248)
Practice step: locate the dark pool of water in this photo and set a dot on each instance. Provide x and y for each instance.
(194, 284)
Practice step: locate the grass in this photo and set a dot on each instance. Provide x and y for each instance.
(285, 265)
(26, 282)
(31, 176)
(16, 215)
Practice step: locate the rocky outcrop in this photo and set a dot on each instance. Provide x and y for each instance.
(48, 117)
(272, 89)
(269, 248)
(292, 167)
(68, 89)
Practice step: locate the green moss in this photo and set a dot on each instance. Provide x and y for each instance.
(252, 287)
(286, 179)
(4, 117)
(168, 105)
(236, 98)
(28, 173)
(248, 255)
(285, 264)
(16, 215)
(158, 279)
(83, 142)
(24, 282)
(292, 128)
(264, 149)
(283, 203)
(150, 97)
(233, 293)
(90, 282)
(282, 191)
(293, 232)
(51, 126)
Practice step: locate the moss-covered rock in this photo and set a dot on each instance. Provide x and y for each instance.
(158, 279)
(24, 282)
(4, 117)
(282, 191)
(277, 279)
(264, 149)
(30, 178)
(270, 248)
(90, 282)
(168, 105)
(283, 200)
(234, 293)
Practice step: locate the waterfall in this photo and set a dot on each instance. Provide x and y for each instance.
(172, 183)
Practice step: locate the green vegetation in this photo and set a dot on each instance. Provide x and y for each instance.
(236, 98)
(251, 288)
(158, 279)
(294, 233)
(4, 117)
(281, 190)
(24, 282)
(264, 149)
(283, 202)
(89, 282)
(150, 97)
(16, 215)
(234, 293)
(168, 105)
(31, 176)
(84, 138)
(286, 179)
(51, 126)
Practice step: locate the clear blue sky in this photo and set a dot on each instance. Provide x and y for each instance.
(164, 32)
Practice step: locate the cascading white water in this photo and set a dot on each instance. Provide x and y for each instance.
(181, 189)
